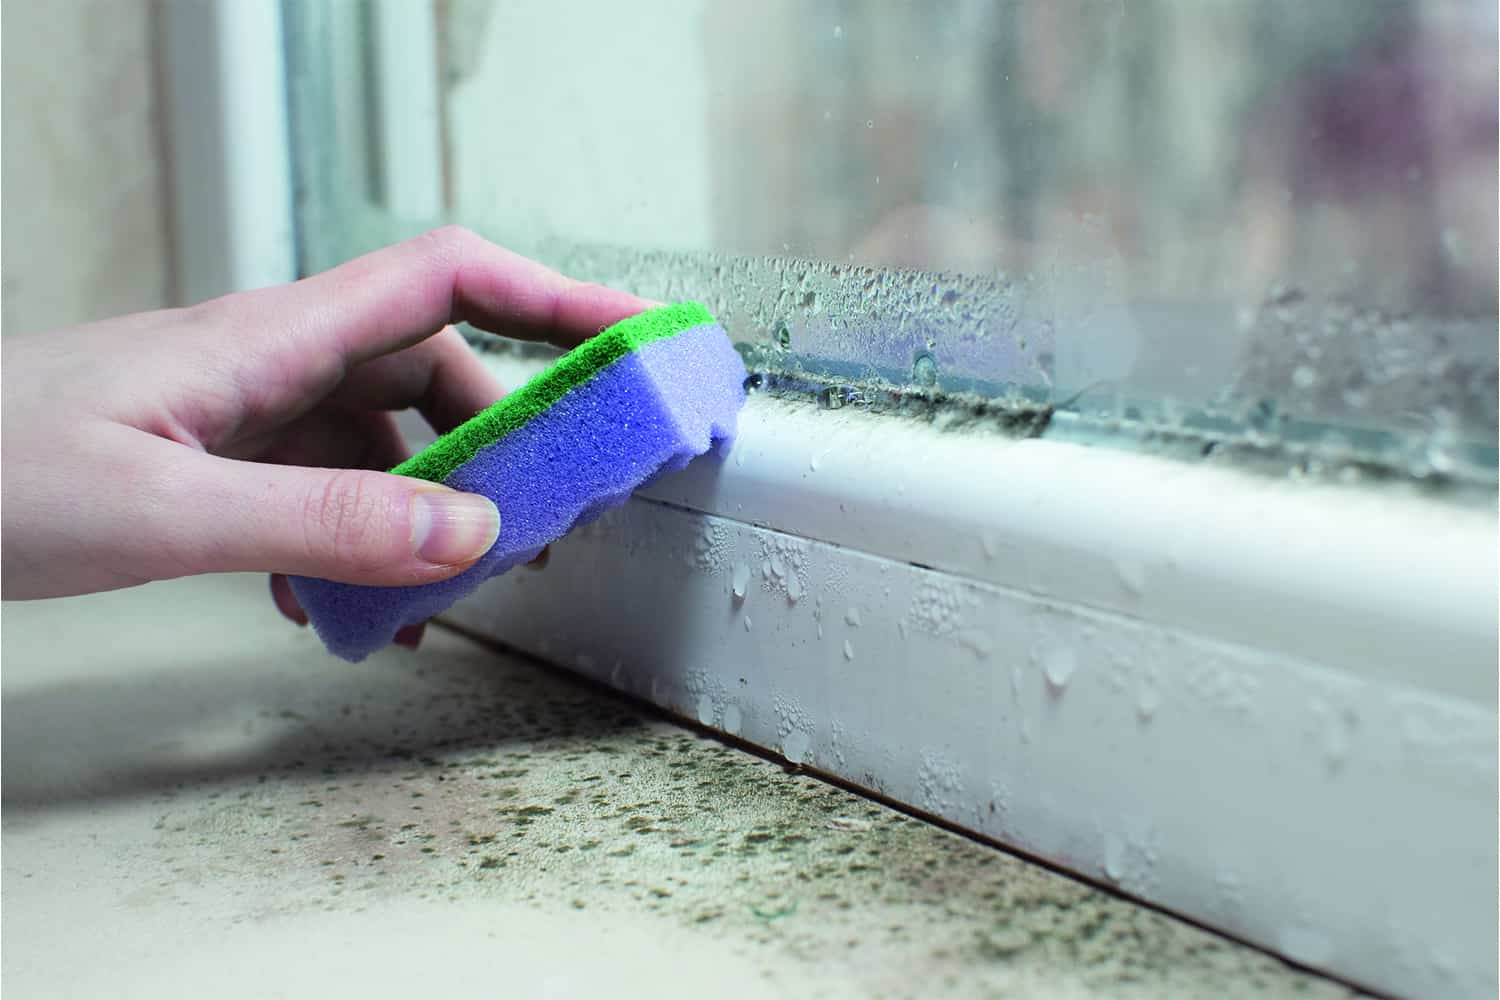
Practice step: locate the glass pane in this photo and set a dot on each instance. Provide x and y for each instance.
(1257, 228)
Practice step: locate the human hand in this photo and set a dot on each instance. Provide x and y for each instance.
(236, 435)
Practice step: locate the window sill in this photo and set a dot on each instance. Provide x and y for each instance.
(1239, 698)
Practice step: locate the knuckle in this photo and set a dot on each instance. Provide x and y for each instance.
(351, 522)
(450, 242)
(453, 233)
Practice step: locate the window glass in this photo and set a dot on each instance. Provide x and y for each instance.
(1255, 229)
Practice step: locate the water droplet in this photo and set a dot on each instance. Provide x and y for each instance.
(1058, 667)
(976, 641)
(794, 588)
(795, 745)
(783, 337)
(1442, 449)
(901, 628)
(1147, 704)
(1304, 377)
(848, 650)
(1440, 459)
(747, 623)
(1114, 858)
(828, 116)
(765, 568)
(988, 543)
(852, 616)
(1338, 737)
(924, 370)
(1132, 576)
(732, 720)
(870, 123)
(820, 631)
(777, 566)
(705, 710)
(739, 582)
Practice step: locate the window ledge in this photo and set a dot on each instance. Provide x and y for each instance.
(1267, 705)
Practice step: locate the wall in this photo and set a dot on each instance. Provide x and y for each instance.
(84, 222)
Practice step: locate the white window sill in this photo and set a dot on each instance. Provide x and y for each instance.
(1267, 705)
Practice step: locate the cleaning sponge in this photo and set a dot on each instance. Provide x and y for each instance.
(642, 398)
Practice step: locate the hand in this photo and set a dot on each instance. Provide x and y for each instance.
(233, 436)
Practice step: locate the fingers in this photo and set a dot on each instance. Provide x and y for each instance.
(285, 600)
(396, 297)
(442, 377)
(410, 636)
(329, 438)
(338, 524)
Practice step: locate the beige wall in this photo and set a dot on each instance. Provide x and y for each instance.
(83, 221)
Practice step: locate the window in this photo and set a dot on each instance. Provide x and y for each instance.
(1262, 230)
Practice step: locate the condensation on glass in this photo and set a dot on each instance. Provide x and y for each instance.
(1254, 227)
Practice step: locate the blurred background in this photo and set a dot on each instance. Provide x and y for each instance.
(85, 218)
(1214, 147)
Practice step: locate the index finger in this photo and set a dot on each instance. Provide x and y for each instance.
(398, 296)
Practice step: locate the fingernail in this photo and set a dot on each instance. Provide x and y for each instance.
(409, 637)
(286, 601)
(448, 527)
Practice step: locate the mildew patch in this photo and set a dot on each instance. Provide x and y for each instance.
(236, 775)
(482, 778)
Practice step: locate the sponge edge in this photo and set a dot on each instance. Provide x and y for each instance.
(649, 412)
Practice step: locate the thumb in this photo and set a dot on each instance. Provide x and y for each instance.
(340, 524)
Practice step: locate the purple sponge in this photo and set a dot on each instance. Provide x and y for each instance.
(587, 434)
